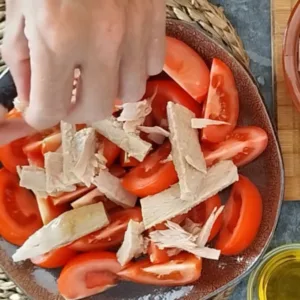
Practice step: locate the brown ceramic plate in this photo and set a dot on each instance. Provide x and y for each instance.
(291, 55)
(266, 172)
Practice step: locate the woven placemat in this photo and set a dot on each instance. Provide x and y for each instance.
(205, 15)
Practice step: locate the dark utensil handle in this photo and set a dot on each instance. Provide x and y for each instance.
(8, 91)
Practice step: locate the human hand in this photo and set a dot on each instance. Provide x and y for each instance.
(116, 44)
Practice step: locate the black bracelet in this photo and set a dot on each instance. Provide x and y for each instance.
(8, 91)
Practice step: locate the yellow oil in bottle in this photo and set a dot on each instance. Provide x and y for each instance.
(279, 279)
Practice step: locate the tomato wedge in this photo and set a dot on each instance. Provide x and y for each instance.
(128, 161)
(110, 150)
(201, 213)
(54, 259)
(242, 146)
(242, 218)
(182, 269)
(48, 210)
(35, 151)
(165, 91)
(88, 274)
(184, 65)
(11, 155)
(222, 102)
(19, 213)
(110, 236)
(152, 175)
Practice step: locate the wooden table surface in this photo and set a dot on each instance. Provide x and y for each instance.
(288, 119)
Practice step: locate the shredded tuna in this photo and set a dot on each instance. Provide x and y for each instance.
(63, 230)
(202, 123)
(86, 165)
(112, 188)
(207, 227)
(191, 227)
(54, 174)
(87, 199)
(129, 142)
(133, 244)
(68, 132)
(168, 204)
(32, 178)
(186, 150)
(156, 134)
(176, 237)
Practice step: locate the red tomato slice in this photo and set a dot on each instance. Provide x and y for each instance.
(222, 102)
(242, 218)
(110, 236)
(165, 91)
(117, 171)
(19, 213)
(48, 210)
(151, 176)
(187, 68)
(127, 161)
(35, 151)
(201, 213)
(110, 150)
(55, 258)
(11, 155)
(182, 269)
(242, 146)
(88, 274)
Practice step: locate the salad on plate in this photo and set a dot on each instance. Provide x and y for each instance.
(136, 196)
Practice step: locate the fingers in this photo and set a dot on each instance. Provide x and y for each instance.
(51, 88)
(156, 47)
(96, 90)
(15, 49)
(133, 70)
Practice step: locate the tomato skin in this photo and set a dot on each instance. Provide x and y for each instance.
(222, 102)
(110, 150)
(242, 146)
(110, 236)
(201, 213)
(185, 66)
(19, 213)
(134, 271)
(11, 155)
(127, 161)
(54, 259)
(242, 218)
(88, 274)
(167, 90)
(151, 176)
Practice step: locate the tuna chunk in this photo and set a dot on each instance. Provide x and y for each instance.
(32, 178)
(168, 204)
(176, 237)
(111, 187)
(129, 142)
(133, 245)
(186, 150)
(63, 230)
(202, 123)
